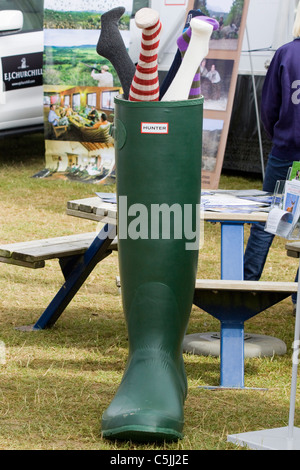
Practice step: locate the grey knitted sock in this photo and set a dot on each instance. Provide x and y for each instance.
(112, 47)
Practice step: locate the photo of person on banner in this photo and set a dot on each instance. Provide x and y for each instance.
(104, 78)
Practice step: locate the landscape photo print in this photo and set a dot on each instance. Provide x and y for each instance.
(79, 90)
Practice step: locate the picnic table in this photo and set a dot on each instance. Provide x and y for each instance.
(230, 299)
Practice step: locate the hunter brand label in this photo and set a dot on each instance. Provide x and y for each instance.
(22, 71)
(155, 128)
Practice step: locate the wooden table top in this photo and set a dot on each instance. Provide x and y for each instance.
(94, 208)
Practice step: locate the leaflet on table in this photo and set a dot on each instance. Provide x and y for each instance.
(108, 197)
(238, 192)
(284, 220)
(292, 197)
(222, 202)
(279, 222)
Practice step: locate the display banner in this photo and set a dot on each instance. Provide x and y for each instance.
(79, 90)
(219, 73)
(80, 85)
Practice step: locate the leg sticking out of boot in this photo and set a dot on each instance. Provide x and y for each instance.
(178, 57)
(112, 47)
(145, 85)
(195, 53)
(183, 44)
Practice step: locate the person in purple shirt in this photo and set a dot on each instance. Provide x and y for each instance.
(280, 115)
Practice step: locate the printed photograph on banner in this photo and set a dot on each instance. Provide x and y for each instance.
(79, 113)
(229, 15)
(71, 33)
(64, 13)
(86, 162)
(215, 79)
(79, 91)
(295, 171)
(70, 57)
(212, 131)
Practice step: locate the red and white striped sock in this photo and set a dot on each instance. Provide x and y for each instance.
(145, 84)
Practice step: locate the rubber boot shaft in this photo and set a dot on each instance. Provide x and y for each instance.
(158, 164)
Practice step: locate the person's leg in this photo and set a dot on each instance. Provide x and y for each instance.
(183, 43)
(256, 252)
(294, 296)
(145, 84)
(111, 46)
(259, 241)
(178, 58)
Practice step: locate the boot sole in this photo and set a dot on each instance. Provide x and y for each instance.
(139, 433)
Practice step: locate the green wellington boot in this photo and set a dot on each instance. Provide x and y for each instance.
(158, 162)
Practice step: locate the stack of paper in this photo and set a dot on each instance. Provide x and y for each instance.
(235, 201)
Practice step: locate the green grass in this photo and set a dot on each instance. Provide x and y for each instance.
(56, 384)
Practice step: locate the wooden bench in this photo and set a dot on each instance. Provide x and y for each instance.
(216, 285)
(293, 249)
(34, 253)
(59, 130)
(78, 255)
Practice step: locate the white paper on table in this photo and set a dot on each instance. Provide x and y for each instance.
(227, 200)
(279, 222)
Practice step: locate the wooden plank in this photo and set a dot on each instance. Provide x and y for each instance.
(50, 252)
(237, 217)
(4, 252)
(293, 249)
(293, 254)
(96, 205)
(35, 265)
(48, 241)
(56, 249)
(35, 251)
(48, 248)
(84, 215)
(109, 220)
(106, 209)
(255, 286)
(85, 205)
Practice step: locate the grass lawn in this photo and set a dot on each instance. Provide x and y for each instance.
(55, 384)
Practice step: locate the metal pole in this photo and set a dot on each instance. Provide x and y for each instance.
(295, 367)
(256, 108)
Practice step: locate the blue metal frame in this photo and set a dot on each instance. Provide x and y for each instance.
(76, 270)
(231, 308)
(232, 250)
(232, 354)
(232, 328)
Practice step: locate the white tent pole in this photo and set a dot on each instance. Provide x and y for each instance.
(256, 108)
(295, 366)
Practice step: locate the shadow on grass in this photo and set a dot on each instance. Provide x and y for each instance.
(22, 148)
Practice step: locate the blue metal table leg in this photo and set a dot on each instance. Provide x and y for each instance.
(232, 354)
(232, 251)
(75, 278)
(232, 332)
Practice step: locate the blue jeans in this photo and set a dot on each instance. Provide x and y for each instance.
(259, 241)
